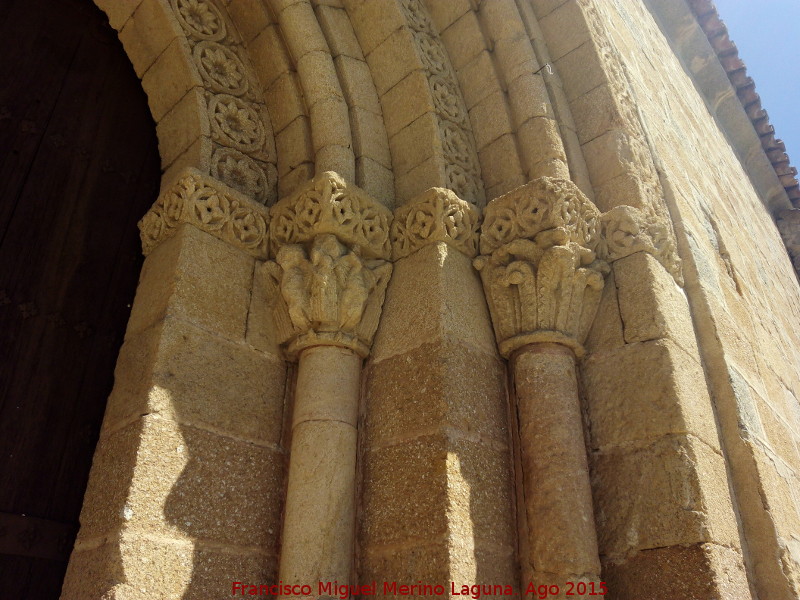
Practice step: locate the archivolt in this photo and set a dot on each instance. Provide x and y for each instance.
(201, 89)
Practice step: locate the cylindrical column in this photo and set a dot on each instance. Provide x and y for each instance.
(319, 522)
(557, 492)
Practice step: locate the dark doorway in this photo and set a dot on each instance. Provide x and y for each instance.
(78, 167)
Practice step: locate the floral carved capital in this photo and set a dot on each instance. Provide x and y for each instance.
(627, 230)
(328, 204)
(789, 227)
(324, 293)
(211, 206)
(540, 266)
(436, 215)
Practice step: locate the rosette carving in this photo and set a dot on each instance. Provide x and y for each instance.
(627, 230)
(539, 265)
(210, 206)
(324, 293)
(436, 215)
(328, 204)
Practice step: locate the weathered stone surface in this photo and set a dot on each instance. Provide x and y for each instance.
(693, 572)
(157, 477)
(442, 384)
(183, 373)
(196, 277)
(624, 410)
(123, 570)
(672, 492)
(434, 294)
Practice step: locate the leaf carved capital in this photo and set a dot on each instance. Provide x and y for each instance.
(540, 266)
(324, 293)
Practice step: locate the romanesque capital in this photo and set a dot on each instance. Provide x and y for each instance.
(539, 265)
(211, 206)
(789, 227)
(436, 215)
(627, 230)
(329, 277)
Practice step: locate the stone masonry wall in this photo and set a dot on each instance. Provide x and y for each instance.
(742, 290)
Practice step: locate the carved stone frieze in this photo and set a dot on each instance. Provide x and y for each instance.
(789, 227)
(324, 293)
(627, 230)
(436, 215)
(539, 265)
(328, 204)
(210, 206)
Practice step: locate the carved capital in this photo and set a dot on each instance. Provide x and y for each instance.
(789, 227)
(328, 204)
(539, 266)
(324, 293)
(211, 206)
(627, 230)
(436, 215)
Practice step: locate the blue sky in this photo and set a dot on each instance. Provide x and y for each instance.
(766, 33)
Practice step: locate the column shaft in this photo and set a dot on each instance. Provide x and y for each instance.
(319, 522)
(557, 492)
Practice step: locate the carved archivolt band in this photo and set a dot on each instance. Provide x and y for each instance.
(330, 241)
(436, 215)
(540, 268)
(327, 204)
(211, 206)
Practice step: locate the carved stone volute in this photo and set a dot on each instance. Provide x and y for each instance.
(539, 265)
(331, 269)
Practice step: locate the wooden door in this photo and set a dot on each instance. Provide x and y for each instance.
(78, 167)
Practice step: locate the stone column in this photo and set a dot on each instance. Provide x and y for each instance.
(543, 283)
(331, 247)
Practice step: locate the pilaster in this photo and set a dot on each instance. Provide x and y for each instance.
(437, 492)
(185, 492)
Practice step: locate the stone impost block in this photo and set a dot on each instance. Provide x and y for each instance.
(328, 204)
(436, 215)
(211, 206)
(540, 269)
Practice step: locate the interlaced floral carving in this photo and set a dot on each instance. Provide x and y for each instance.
(324, 293)
(539, 265)
(328, 204)
(210, 206)
(540, 205)
(462, 170)
(233, 102)
(436, 215)
(627, 230)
